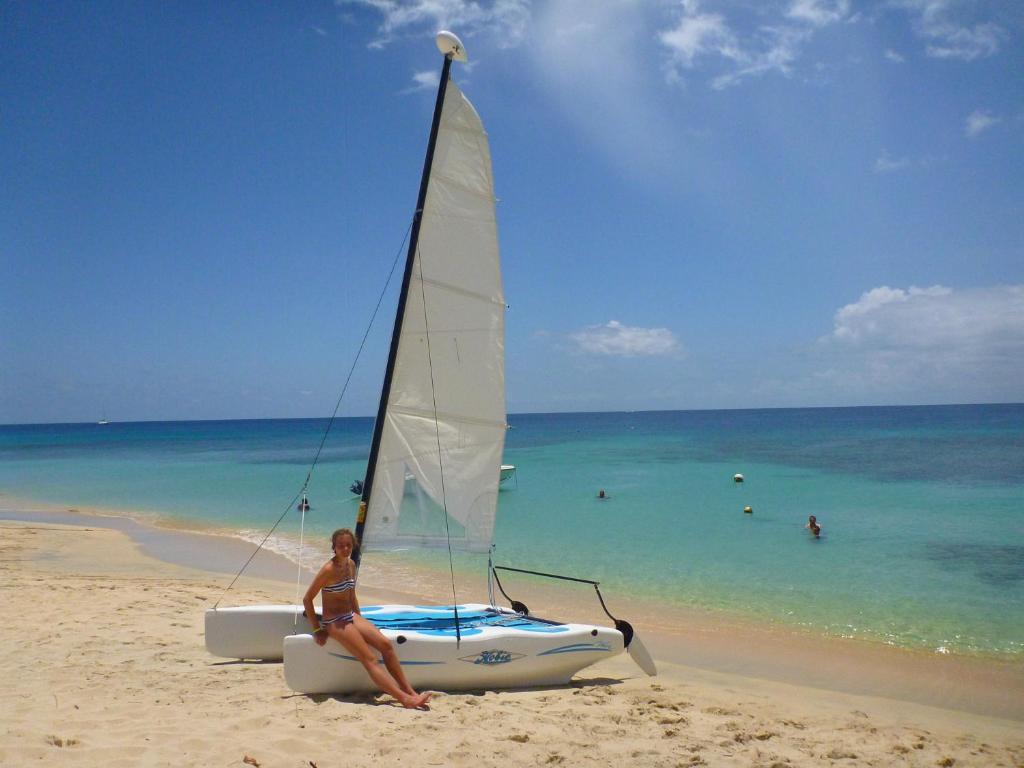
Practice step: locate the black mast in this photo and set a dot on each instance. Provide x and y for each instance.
(378, 425)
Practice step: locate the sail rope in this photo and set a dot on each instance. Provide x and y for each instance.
(334, 414)
(440, 457)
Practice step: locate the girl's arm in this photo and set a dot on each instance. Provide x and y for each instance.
(307, 599)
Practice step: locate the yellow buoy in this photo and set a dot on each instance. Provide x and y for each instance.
(748, 510)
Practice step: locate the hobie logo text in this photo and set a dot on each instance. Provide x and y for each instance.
(492, 657)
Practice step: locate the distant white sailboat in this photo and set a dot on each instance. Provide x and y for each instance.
(435, 458)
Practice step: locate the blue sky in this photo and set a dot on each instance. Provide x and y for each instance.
(702, 204)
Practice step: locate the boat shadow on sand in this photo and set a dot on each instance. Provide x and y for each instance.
(382, 699)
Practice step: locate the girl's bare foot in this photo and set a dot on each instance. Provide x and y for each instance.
(416, 702)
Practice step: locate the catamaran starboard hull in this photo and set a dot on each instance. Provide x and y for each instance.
(510, 651)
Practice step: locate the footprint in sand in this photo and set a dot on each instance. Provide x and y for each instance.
(680, 720)
(839, 754)
(58, 741)
(720, 711)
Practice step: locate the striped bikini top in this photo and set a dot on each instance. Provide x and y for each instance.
(341, 586)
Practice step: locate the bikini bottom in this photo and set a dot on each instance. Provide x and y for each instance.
(342, 619)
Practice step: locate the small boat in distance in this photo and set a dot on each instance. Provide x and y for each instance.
(507, 472)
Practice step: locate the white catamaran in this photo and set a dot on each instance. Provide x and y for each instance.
(435, 459)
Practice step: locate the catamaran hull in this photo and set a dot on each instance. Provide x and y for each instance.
(252, 631)
(486, 658)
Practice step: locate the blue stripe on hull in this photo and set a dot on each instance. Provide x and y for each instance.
(380, 661)
(577, 647)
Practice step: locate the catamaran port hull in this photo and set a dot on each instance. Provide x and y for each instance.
(252, 631)
(497, 649)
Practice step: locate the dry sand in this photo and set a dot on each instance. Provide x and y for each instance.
(102, 664)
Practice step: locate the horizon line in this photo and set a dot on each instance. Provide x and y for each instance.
(109, 422)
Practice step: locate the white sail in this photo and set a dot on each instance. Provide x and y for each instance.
(444, 426)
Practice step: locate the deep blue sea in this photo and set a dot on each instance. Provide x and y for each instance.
(922, 508)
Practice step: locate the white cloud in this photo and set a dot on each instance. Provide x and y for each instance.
(700, 34)
(967, 343)
(422, 81)
(781, 47)
(771, 47)
(892, 55)
(949, 35)
(819, 12)
(620, 340)
(887, 164)
(965, 43)
(506, 20)
(978, 121)
(859, 319)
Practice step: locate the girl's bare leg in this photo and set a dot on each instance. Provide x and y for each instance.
(350, 637)
(376, 639)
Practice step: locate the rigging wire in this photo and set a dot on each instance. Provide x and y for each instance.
(490, 576)
(440, 458)
(303, 508)
(330, 423)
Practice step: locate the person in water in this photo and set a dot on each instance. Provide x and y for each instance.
(342, 621)
(601, 495)
(813, 526)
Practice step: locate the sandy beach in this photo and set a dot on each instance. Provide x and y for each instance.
(103, 664)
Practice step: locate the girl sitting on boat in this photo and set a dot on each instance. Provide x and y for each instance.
(342, 621)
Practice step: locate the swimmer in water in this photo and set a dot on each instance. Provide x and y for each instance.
(601, 495)
(813, 526)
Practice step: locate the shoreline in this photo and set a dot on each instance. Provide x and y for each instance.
(120, 677)
(709, 642)
(280, 556)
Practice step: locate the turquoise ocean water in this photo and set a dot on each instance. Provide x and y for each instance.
(922, 507)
